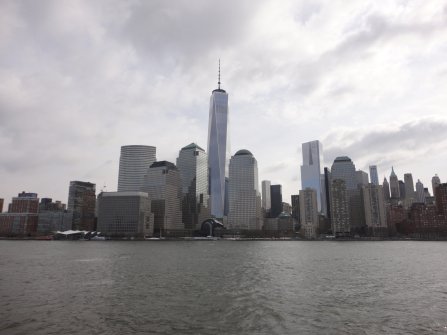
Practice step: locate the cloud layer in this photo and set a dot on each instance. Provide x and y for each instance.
(78, 79)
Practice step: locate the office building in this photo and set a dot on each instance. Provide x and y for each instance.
(218, 149)
(244, 197)
(394, 186)
(266, 199)
(410, 195)
(309, 213)
(373, 175)
(163, 184)
(435, 182)
(311, 176)
(375, 211)
(296, 207)
(386, 190)
(420, 194)
(21, 218)
(82, 204)
(125, 214)
(135, 160)
(192, 164)
(276, 200)
(361, 178)
(340, 219)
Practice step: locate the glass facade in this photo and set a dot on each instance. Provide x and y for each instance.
(311, 176)
(218, 151)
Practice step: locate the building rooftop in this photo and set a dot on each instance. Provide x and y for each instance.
(192, 146)
(243, 152)
(342, 159)
(166, 164)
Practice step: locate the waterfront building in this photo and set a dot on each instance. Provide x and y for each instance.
(296, 207)
(82, 205)
(420, 195)
(1, 205)
(134, 163)
(386, 190)
(309, 213)
(410, 195)
(218, 149)
(125, 214)
(441, 200)
(21, 218)
(266, 199)
(375, 210)
(435, 182)
(163, 184)
(311, 176)
(276, 200)
(394, 186)
(327, 187)
(244, 197)
(192, 164)
(361, 178)
(373, 175)
(340, 221)
(53, 216)
(344, 169)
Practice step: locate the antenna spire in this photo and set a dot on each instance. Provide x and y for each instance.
(218, 80)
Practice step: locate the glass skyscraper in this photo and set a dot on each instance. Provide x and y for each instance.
(311, 176)
(218, 150)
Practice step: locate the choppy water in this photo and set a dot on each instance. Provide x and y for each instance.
(223, 287)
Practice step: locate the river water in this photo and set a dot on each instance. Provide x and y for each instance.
(223, 287)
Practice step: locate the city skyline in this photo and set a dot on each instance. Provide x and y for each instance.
(86, 83)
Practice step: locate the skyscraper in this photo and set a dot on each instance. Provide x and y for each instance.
(340, 221)
(163, 184)
(276, 199)
(386, 190)
(410, 195)
(218, 149)
(394, 186)
(135, 160)
(373, 175)
(309, 212)
(244, 196)
(311, 176)
(344, 169)
(266, 200)
(192, 163)
(435, 182)
(375, 213)
(82, 204)
(420, 194)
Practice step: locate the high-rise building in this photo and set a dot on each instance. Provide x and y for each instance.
(401, 190)
(82, 203)
(420, 195)
(1, 205)
(441, 200)
(386, 190)
(410, 195)
(218, 149)
(296, 207)
(311, 176)
(125, 214)
(163, 184)
(375, 212)
(373, 175)
(266, 200)
(135, 160)
(53, 216)
(344, 169)
(362, 178)
(340, 221)
(276, 200)
(21, 218)
(244, 197)
(435, 182)
(394, 185)
(309, 212)
(192, 164)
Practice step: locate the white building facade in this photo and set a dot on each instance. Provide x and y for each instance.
(244, 197)
(135, 160)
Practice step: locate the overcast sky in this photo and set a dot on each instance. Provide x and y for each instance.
(79, 79)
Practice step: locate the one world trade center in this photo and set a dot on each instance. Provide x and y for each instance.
(218, 149)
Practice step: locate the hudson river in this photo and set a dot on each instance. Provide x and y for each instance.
(223, 287)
